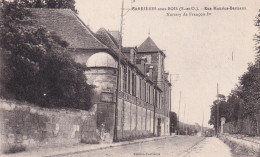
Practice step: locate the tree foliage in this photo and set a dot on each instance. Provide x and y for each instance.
(250, 83)
(236, 104)
(224, 111)
(36, 66)
(62, 4)
(173, 121)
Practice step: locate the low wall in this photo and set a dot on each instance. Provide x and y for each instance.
(32, 126)
(242, 126)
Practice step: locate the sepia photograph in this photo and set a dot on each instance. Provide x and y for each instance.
(130, 78)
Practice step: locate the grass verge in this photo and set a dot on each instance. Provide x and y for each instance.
(239, 150)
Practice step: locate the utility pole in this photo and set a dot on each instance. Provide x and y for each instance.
(184, 115)
(115, 139)
(188, 125)
(178, 131)
(202, 128)
(175, 80)
(217, 111)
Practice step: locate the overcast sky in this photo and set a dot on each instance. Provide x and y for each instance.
(198, 48)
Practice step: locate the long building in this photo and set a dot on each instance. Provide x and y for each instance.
(144, 93)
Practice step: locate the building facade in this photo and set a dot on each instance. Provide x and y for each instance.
(144, 91)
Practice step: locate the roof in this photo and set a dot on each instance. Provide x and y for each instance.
(148, 46)
(68, 26)
(127, 49)
(115, 34)
(107, 39)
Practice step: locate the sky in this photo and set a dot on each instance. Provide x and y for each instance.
(199, 49)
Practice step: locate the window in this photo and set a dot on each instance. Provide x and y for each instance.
(155, 98)
(159, 101)
(125, 78)
(133, 84)
(149, 94)
(129, 83)
(145, 88)
(121, 79)
(162, 62)
(134, 59)
(140, 83)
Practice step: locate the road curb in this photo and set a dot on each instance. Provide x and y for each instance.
(110, 146)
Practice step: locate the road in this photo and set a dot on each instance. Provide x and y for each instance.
(170, 147)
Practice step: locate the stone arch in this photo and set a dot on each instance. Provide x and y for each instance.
(101, 59)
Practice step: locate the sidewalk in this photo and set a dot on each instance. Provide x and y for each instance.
(80, 148)
(210, 147)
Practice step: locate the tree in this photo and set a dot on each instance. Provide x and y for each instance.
(236, 104)
(62, 4)
(36, 66)
(173, 121)
(250, 83)
(224, 111)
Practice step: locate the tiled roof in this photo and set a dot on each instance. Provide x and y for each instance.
(68, 26)
(107, 39)
(148, 46)
(127, 49)
(115, 34)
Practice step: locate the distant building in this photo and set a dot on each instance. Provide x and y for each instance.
(144, 97)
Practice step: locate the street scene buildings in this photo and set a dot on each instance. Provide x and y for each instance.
(144, 97)
(67, 90)
(144, 89)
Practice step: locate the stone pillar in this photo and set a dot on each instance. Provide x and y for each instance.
(223, 120)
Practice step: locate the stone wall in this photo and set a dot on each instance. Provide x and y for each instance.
(28, 126)
(242, 126)
(135, 116)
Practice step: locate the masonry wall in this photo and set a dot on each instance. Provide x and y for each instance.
(104, 80)
(242, 126)
(135, 116)
(23, 124)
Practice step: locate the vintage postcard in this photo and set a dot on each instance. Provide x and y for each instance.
(132, 78)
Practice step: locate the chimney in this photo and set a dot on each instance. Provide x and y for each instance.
(141, 64)
(150, 72)
(166, 75)
(132, 56)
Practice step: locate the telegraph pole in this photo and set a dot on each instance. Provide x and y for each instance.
(184, 115)
(115, 139)
(178, 131)
(202, 128)
(175, 80)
